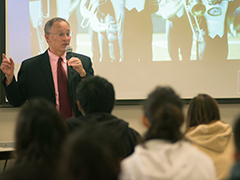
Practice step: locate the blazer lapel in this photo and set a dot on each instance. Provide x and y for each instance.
(47, 71)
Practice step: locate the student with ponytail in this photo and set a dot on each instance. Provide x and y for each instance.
(162, 153)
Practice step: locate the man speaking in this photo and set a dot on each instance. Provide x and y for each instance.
(52, 75)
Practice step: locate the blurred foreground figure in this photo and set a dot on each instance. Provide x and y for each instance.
(235, 172)
(91, 153)
(39, 136)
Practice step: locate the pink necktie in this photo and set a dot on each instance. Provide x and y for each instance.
(64, 99)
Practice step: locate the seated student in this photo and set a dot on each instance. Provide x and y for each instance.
(162, 154)
(235, 171)
(96, 98)
(92, 153)
(209, 134)
(39, 136)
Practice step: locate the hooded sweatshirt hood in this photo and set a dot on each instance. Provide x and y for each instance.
(214, 136)
(159, 159)
(215, 140)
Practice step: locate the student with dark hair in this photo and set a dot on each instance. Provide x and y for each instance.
(96, 94)
(209, 134)
(39, 136)
(235, 173)
(162, 154)
(91, 154)
(96, 98)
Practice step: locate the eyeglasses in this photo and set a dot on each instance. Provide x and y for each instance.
(62, 34)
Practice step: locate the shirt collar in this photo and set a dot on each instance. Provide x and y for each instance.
(55, 58)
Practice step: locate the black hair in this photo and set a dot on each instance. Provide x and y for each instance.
(91, 153)
(163, 109)
(39, 133)
(95, 94)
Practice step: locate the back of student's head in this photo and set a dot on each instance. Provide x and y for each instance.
(203, 109)
(163, 109)
(39, 133)
(91, 153)
(95, 94)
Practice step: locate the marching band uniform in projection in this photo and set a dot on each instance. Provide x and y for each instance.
(109, 38)
(120, 30)
(179, 35)
(233, 21)
(103, 28)
(214, 26)
(138, 29)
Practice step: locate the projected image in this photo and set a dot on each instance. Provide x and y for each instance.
(144, 30)
(103, 23)
(201, 29)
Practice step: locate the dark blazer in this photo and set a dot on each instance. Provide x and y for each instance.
(35, 80)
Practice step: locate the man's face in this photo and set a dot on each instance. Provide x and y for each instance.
(58, 38)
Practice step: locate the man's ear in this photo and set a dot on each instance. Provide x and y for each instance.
(145, 121)
(79, 107)
(46, 37)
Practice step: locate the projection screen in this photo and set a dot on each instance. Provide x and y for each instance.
(192, 46)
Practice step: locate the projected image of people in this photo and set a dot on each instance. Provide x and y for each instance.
(102, 19)
(215, 29)
(233, 22)
(138, 30)
(178, 30)
(120, 30)
(195, 30)
(206, 24)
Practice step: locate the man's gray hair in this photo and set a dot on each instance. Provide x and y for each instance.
(49, 24)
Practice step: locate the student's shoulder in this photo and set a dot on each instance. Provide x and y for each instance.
(73, 123)
(78, 120)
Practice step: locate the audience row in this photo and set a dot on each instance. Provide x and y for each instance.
(100, 146)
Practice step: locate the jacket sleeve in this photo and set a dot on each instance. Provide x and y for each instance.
(87, 63)
(88, 68)
(16, 91)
